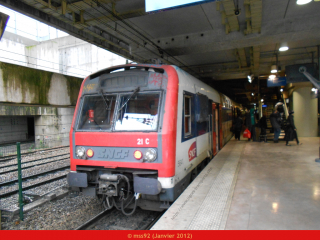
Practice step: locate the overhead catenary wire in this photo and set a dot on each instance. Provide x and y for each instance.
(39, 66)
(85, 26)
(114, 29)
(145, 38)
(42, 60)
(88, 30)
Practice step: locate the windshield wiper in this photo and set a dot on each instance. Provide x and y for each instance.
(108, 108)
(127, 100)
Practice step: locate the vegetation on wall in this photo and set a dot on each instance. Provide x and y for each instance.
(36, 82)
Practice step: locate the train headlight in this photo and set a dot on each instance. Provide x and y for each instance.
(137, 154)
(90, 153)
(80, 151)
(150, 155)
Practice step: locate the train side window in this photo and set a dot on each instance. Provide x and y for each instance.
(187, 115)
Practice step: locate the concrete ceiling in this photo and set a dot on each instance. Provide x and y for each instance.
(206, 40)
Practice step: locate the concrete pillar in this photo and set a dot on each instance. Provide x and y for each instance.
(305, 112)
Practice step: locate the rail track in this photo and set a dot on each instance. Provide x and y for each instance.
(41, 151)
(115, 220)
(32, 163)
(11, 190)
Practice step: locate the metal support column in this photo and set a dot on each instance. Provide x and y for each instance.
(20, 181)
(318, 48)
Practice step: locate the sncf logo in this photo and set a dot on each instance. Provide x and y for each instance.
(192, 151)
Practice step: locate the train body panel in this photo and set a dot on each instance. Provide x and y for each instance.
(192, 149)
(145, 129)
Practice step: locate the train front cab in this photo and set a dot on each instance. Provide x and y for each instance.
(109, 157)
(122, 146)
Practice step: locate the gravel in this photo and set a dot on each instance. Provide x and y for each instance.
(72, 211)
(10, 203)
(64, 214)
(33, 181)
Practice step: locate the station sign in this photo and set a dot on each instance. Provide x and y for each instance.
(277, 82)
(162, 5)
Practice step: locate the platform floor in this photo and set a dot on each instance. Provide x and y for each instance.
(252, 185)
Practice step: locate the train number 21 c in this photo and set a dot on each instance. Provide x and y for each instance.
(140, 141)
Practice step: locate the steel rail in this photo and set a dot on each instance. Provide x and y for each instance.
(34, 165)
(150, 225)
(14, 156)
(34, 175)
(95, 219)
(7, 194)
(33, 161)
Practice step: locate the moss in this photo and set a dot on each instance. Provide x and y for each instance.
(30, 47)
(73, 84)
(35, 81)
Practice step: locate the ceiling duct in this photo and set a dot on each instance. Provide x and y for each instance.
(229, 19)
(241, 57)
(256, 57)
(253, 10)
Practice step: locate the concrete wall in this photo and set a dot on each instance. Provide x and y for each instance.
(52, 125)
(71, 56)
(13, 129)
(305, 112)
(32, 86)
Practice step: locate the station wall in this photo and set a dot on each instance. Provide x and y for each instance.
(13, 129)
(51, 124)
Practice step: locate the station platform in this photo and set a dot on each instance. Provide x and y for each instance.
(252, 186)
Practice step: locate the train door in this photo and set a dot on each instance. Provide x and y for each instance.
(215, 138)
(220, 127)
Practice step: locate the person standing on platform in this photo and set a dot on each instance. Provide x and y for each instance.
(291, 131)
(248, 122)
(253, 124)
(275, 119)
(263, 124)
(238, 127)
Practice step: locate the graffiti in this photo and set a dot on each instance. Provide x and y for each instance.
(157, 79)
(89, 87)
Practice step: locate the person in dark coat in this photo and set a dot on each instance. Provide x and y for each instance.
(275, 119)
(238, 127)
(291, 131)
(263, 124)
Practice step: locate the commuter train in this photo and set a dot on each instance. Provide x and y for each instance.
(141, 133)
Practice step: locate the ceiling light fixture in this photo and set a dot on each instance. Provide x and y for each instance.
(283, 47)
(262, 100)
(272, 77)
(281, 90)
(274, 69)
(250, 78)
(302, 2)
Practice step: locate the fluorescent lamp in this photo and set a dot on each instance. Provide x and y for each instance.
(272, 77)
(302, 2)
(283, 47)
(249, 79)
(274, 69)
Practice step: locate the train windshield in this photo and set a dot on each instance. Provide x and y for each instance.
(97, 112)
(138, 112)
